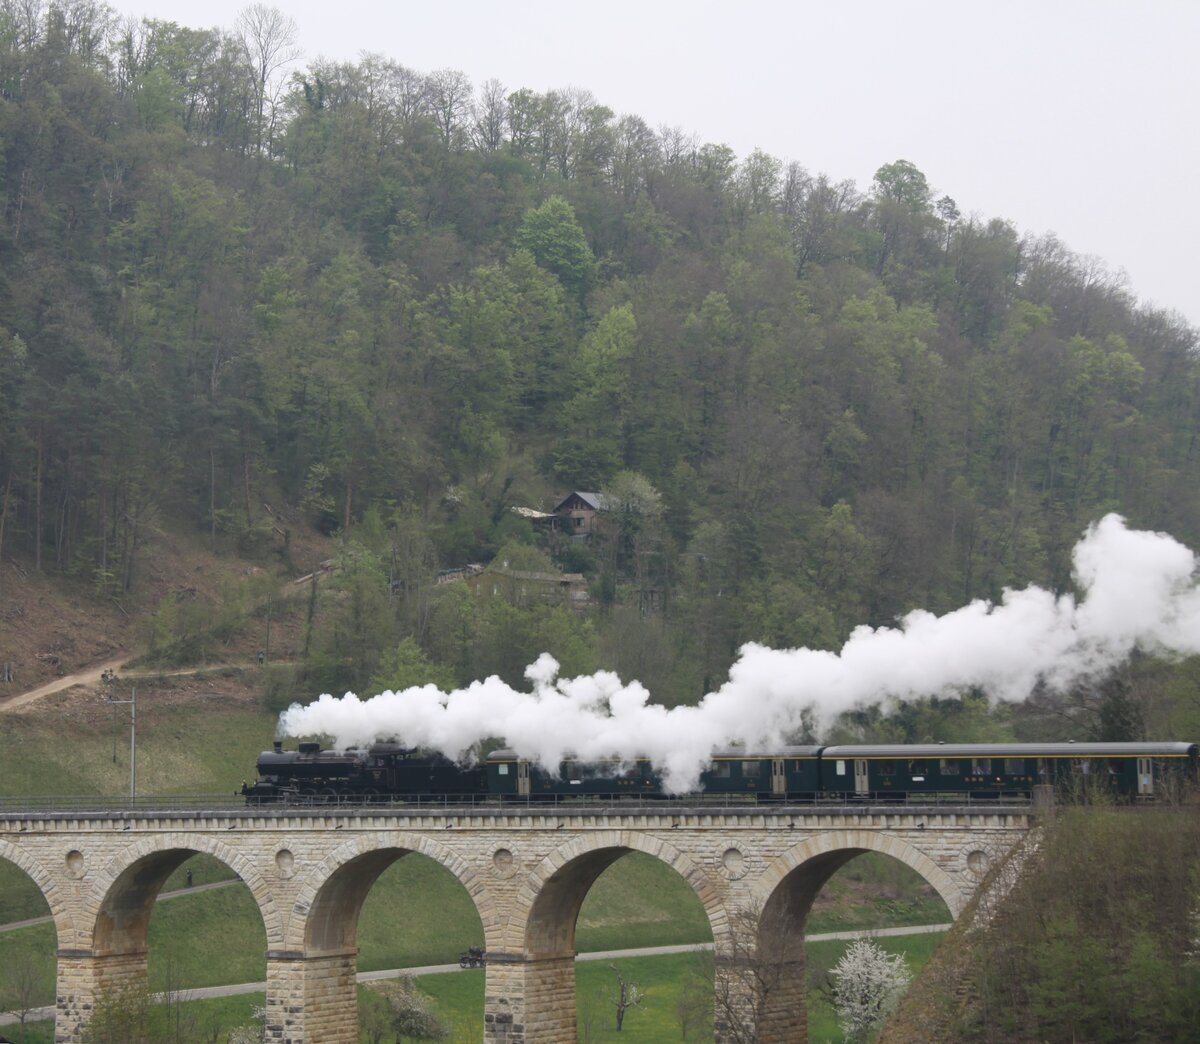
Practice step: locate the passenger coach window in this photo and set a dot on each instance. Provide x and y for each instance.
(981, 766)
(1014, 766)
(887, 768)
(949, 767)
(917, 768)
(502, 770)
(720, 769)
(841, 767)
(751, 768)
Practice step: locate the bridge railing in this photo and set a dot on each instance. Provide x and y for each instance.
(459, 804)
(122, 803)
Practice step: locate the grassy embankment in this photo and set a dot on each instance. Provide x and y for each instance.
(182, 748)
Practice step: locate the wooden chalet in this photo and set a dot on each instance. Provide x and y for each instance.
(579, 511)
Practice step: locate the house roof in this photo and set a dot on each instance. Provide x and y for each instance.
(530, 513)
(596, 501)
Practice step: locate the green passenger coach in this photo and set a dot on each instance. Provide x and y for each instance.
(783, 772)
(1001, 770)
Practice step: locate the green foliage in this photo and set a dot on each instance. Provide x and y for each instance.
(186, 630)
(357, 624)
(509, 639)
(1094, 942)
(407, 666)
(554, 237)
(589, 449)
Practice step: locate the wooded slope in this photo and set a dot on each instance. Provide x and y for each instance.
(402, 305)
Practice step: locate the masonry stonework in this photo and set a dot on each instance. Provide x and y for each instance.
(527, 871)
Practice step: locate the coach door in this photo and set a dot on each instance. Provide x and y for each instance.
(778, 777)
(861, 785)
(1145, 782)
(523, 778)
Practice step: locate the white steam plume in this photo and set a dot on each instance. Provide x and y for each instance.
(1139, 591)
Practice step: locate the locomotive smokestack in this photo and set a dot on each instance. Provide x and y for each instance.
(279, 746)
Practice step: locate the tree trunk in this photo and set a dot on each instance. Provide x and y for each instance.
(246, 490)
(103, 540)
(212, 499)
(37, 511)
(3, 520)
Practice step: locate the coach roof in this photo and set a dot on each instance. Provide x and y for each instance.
(1012, 750)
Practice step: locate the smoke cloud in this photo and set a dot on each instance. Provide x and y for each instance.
(1138, 590)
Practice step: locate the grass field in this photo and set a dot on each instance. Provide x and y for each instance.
(677, 995)
(677, 998)
(181, 749)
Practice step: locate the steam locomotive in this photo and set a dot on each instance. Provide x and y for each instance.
(890, 772)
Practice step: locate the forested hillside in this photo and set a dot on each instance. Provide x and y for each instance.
(1095, 942)
(393, 305)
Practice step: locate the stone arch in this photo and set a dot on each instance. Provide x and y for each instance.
(64, 924)
(548, 903)
(760, 966)
(325, 913)
(119, 903)
(826, 852)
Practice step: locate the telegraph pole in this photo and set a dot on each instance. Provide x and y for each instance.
(132, 702)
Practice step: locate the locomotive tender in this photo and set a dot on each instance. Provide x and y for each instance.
(858, 772)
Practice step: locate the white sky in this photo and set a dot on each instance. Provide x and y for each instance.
(1071, 116)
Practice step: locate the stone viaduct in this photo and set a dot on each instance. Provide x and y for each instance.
(755, 870)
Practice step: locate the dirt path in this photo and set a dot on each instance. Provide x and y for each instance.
(12, 926)
(89, 676)
(93, 675)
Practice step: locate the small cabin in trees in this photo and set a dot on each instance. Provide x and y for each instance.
(579, 511)
(522, 586)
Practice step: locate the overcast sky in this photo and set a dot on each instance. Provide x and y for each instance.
(1072, 116)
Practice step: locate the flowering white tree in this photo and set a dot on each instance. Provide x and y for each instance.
(867, 984)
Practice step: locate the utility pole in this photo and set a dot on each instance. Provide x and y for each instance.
(132, 701)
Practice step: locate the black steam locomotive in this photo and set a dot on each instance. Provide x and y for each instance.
(383, 771)
(390, 772)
